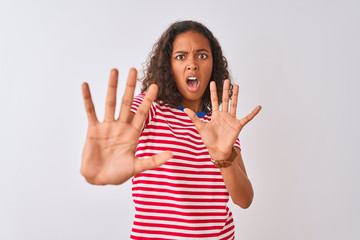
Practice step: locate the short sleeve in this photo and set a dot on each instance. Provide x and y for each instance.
(237, 144)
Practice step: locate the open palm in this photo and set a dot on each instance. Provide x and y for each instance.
(109, 150)
(219, 135)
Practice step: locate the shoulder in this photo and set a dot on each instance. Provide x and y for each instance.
(137, 101)
(157, 109)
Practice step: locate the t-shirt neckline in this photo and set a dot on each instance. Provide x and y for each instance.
(200, 114)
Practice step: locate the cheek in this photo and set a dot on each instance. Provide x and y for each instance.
(176, 75)
(175, 70)
(209, 70)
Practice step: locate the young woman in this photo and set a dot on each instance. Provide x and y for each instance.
(175, 142)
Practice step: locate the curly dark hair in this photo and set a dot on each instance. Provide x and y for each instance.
(158, 66)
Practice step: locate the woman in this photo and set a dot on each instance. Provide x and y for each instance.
(180, 149)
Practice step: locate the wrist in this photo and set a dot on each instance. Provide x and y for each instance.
(226, 162)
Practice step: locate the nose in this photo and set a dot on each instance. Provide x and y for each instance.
(192, 65)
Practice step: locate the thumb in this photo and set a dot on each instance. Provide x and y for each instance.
(194, 118)
(151, 162)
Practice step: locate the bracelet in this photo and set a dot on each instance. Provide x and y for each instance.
(225, 163)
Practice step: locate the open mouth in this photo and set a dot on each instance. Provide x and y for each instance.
(192, 83)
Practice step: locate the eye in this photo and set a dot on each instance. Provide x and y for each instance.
(180, 57)
(202, 55)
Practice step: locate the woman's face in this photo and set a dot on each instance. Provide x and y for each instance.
(191, 65)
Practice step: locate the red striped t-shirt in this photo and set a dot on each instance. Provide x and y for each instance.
(186, 197)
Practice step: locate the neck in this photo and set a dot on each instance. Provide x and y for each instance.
(195, 106)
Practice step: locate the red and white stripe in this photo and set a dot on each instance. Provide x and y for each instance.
(186, 197)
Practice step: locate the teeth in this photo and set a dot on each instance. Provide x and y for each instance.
(192, 78)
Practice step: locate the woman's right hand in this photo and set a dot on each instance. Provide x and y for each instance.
(109, 151)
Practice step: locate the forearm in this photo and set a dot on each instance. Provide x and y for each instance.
(237, 183)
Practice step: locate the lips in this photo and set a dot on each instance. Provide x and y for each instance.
(192, 84)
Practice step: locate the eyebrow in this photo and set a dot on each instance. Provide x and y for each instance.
(185, 52)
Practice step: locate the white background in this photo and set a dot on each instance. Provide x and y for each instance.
(299, 59)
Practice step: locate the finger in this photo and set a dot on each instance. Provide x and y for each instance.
(151, 162)
(225, 96)
(89, 106)
(213, 97)
(111, 95)
(249, 117)
(143, 110)
(234, 101)
(127, 99)
(198, 124)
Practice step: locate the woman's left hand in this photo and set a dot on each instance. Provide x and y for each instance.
(220, 134)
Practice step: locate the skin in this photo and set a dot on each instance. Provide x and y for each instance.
(109, 150)
(110, 146)
(219, 136)
(191, 57)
